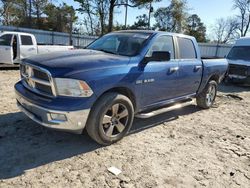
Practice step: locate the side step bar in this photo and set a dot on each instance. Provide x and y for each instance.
(163, 110)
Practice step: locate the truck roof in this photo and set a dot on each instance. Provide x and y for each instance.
(243, 41)
(14, 32)
(154, 32)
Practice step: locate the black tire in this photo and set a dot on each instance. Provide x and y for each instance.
(203, 100)
(109, 107)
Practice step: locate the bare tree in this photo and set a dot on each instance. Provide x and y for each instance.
(7, 11)
(96, 12)
(225, 30)
(244, 7)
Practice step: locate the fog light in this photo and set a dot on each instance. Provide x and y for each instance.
(58, 117)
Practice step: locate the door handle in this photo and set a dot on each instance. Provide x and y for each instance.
(173, 69)
(31, 49)
(197, 67)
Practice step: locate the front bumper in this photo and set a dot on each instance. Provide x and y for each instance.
(239, 79)
(74, 121)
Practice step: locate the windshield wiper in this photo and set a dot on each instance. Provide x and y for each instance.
(106, 51)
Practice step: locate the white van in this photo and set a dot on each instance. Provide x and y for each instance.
(239, 61)
(15, 46)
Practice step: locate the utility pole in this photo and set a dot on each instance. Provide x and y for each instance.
(69, 16)
(126, 13)
(149, 14)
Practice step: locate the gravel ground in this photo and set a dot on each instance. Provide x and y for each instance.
(189, 147)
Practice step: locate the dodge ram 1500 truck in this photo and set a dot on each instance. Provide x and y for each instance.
(117, 77)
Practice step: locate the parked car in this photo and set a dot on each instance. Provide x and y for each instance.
(118, 76)
(239, 61)
(14, 46)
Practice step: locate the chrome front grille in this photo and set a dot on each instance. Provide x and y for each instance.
(37, 79)
(238, 70)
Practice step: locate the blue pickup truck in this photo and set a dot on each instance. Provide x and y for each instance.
(117, 77)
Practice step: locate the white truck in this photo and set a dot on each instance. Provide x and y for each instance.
(14, 46)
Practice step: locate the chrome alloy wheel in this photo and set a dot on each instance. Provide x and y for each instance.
(115, 120)
(210, 96)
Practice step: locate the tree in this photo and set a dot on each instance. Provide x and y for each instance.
(196, 28)
(60, 18)
(130, 3)
(225, 30)
(244, 7)
(6, 11)
(39, 8)
(173, 17)
(141, 23)
(96, 12)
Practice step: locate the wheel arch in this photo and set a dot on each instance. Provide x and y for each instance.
(215, 77)
(124, 91)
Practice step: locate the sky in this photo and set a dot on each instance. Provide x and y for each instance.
(208, 10)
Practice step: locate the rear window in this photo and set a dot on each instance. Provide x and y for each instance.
(239, 53)
(5, 40)
(26, 40)
(186, 48)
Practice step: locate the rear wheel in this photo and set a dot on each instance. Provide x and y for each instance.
(207, 97)
(110, 119)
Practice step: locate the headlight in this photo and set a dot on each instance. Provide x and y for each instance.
(71, 87)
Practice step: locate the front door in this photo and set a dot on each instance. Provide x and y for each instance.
(160, 77)
(6, 51)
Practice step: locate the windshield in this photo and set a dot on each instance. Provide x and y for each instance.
(127, 44)
(239, 53)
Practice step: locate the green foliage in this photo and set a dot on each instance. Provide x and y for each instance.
(95, 15)
(60, 18)
(196, 28)
(39, 14)
(141, 23)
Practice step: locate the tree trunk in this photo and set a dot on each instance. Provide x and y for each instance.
(111, 16)
(247, 26)
(30, 13)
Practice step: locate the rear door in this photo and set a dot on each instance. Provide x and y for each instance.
(160, 77)
(6, 52)
(190, 72)
(27, 47)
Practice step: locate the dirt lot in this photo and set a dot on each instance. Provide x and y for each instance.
(185, 148)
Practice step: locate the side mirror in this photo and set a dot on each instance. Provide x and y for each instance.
(159, 56)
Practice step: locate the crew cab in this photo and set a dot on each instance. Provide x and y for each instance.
(14, 46)
(239, 61)
(117, 77)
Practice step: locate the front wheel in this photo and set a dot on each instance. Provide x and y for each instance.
(207, 97)
(110, 119)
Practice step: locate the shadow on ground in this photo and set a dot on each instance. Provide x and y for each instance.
(26, 145)
(233, 88)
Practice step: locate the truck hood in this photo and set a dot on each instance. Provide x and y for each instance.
(239, 62)
(68, 62)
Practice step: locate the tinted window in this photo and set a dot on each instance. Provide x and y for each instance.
(162, 43)
(186, 48)
(127, 44)
(26, 40)
(5, 40)
(239, 52)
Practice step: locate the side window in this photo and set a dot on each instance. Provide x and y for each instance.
(5, 40)
(162, 43)
(186, 48)
(26, 40)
